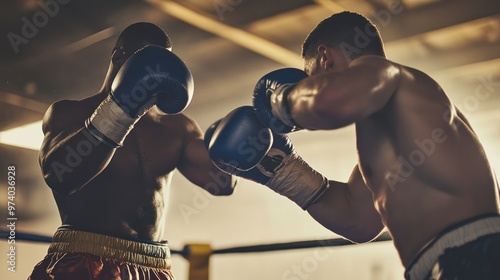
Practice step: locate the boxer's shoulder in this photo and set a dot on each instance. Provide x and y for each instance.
(65, 113)
(182, 124)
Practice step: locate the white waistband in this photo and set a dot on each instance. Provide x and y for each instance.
(428, 256)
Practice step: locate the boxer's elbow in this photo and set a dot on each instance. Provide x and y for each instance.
(351, 227)
(221, 185)
(224, 192)
(365, 232)
(363, 236)
(354, 233)
(227, 188)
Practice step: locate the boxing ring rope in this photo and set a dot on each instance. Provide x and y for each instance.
(198, 255)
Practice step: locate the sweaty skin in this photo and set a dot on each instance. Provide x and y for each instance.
(122, 192)
(421, 167)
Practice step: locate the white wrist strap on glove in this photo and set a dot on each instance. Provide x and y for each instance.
(110, 121)
(299, 182)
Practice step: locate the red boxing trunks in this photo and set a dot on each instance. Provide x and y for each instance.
(79, 255)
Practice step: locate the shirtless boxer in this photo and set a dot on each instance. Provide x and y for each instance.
(422, 172)
(109, 160)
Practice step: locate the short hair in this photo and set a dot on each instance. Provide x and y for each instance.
(342, 31)
(139, 34)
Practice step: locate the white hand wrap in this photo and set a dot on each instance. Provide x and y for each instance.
(298, 181)
(111, 122)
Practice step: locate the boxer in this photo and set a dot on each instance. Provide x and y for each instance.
(109, 160)
(422, 172)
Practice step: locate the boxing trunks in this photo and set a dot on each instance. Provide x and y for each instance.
(79, 255)
(469, 250)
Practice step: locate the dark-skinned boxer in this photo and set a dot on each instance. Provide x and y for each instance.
(109, 160)
(422, 172)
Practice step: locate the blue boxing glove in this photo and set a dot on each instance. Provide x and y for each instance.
(151, 76)
(240, 145)
(240, 141)
(209, 133)
(236, 166)
(270, 99)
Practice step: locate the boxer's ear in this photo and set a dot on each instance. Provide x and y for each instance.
(325, 57)
(118, 56)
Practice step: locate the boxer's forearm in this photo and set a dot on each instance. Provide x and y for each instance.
(348, 209)
(71, 161)
(337, 211)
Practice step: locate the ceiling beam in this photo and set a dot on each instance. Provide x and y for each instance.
(491, 67)
(23, 102)
(330, 5)
(439, 60)
(426, 18)
(238, 36)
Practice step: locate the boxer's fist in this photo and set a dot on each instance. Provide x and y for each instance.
(240, 141)
(270, 98)
(225, 156)
(152, 75)
(240, 145)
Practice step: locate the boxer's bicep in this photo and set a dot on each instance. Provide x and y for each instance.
(336, 99)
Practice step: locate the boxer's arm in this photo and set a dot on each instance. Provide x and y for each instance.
(197, 167)
(69, 156)
(336, 99)
(461, 119)
(348, 209)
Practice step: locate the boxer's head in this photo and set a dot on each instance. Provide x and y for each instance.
(135, 37)
(130, 40)
(339, 39)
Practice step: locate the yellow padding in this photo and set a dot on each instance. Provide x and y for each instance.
(72, 241)
(198, 256)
